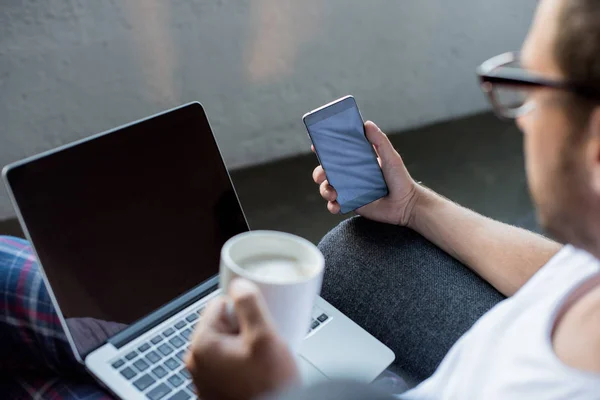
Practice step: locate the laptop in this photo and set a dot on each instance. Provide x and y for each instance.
(128, 226)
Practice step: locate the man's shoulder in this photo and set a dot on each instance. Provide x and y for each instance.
(576, 337)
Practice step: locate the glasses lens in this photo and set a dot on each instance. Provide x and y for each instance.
(510, 97)
(511, 100)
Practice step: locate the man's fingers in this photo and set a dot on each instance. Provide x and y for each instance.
(249, 305)
(213, 312)
(380, 141)
(213, 323)
(312, 148)
(333, 207)
(327, 191)
(214, 318)
(319, 175)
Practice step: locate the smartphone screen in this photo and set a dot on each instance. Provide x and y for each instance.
(349, 160)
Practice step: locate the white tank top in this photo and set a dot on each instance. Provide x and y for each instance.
(508, 353)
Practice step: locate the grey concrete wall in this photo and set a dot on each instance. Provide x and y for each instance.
(70, 68)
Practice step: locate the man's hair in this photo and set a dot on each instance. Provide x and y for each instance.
(577, 51)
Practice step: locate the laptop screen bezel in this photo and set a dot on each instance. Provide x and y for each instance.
(157, 316)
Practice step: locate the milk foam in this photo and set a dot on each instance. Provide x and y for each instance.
(275, 269)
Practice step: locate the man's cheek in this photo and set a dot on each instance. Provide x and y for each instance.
(535, 160)
(539, 141)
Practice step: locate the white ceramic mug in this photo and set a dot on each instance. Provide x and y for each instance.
(287, 269)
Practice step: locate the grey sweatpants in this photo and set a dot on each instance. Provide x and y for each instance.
(402, 289)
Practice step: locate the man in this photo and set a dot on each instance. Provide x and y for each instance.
(543, 340)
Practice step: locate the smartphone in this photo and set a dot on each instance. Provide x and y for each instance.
(337, 132)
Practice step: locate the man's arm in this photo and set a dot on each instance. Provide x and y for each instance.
(503, 255)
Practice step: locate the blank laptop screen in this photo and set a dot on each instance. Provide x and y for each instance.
(129, 220)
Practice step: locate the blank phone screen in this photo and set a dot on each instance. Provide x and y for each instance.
(347, 156)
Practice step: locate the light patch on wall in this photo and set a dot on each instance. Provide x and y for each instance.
(278, 29)
(154, 45)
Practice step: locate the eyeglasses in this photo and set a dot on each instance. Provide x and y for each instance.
(507, 85)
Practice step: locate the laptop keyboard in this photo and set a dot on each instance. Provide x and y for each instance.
(316, 322)
(156, 366)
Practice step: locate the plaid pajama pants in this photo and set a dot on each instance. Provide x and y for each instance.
(36, 361)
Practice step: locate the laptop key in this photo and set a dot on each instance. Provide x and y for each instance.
(322, 318)
(172, 364)
(191, 387)
(177, 342)
(144, 382)
(159, 372)
(156, 339)
(181, 354)
(181, 395)
(180, 324)
(153, 357)
(186, 333)
(168, 332)
(159, 392)
(191, 317)
(141, 365)
(165, 349)
(175, 380)
(144, 347)
(128, 373)
(314, 324)
(118, 363)
(131, 355)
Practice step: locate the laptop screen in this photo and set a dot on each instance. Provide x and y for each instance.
(128, 220)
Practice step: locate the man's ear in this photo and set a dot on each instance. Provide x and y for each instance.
(592, 153)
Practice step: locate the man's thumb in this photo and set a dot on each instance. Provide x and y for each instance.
(382, 144)
(249, 305)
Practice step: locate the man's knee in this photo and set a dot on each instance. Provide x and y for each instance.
(362, 237)
(352, 232)
(358, 247)
(361, 252)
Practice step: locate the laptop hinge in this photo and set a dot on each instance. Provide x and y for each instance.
(143, 325)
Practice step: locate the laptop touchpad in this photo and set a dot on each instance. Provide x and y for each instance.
(309, 373)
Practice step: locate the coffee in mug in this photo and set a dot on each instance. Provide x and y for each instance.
(275, 268)
(287, 269)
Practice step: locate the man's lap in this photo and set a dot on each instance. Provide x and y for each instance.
(39, 357)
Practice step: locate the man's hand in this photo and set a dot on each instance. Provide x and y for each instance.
(397, 207)
(239, 363)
